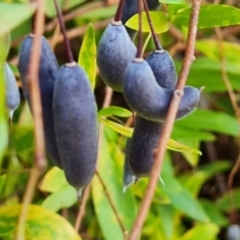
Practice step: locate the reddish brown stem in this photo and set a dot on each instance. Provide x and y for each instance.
(168, 125)
(118, 15)
(139, 47)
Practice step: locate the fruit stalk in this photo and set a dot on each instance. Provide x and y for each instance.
(69, 56)
(154, 35)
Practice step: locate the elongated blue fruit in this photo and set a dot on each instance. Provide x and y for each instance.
(48, 68)
(163, 68)
(12, 93)
(145, 96)
(128, 176)
(75, 123)
(115, 51)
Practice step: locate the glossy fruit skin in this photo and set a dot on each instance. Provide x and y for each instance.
(163, 68)
(12, 93)
(143, 142)
(115, 51)
(75, 123)
(128, 176)
(48, 68)
(145, 96)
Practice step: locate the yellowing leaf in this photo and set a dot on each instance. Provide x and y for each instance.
(159, 22)
(178, 147)
(87, 55)
(41, 223)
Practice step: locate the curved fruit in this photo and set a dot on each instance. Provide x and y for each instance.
(47, 74)
(148, 99)
(12, 93)
(128, 177)
(75, 123)
(115, 51)
(144, 140)
(163, 68)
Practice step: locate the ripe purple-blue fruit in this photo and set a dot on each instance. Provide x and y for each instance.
(144, 140)
(144, 95)
(75, 124)
(115, 51)
(128, 176)
(163, 68)
(12, 93)
(48, 68)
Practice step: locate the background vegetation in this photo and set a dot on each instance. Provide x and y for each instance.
(201, 195)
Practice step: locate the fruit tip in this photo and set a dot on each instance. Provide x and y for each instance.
(201, 88)
(79, 196)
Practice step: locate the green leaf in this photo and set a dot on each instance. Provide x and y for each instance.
(211, 15)
(125, 131)
(212, 169)
(87, 55)
(159, 22)
(114, 110)
(212, 121)
(172, 1)
(211, 49)
(53, 180)
(215, 215)
(229, 200)
(2, 181)
(5, 42)
(50, 7)
(202, 231)
(179, 147)
(12, 15)
(182, 199)
(41, 223)
(207, 72)
(193, 182)
(64, 197)
(110, 168)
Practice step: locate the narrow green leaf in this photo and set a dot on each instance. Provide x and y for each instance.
(182, 199)
(207, 72)
(159, 22)
(5, 42)
(87, 54)
(2, 181)
(110, 168)
(114, 110)
(125, 131)
(50, 8)
(179, 147)
(211, 15)
(64, 197)
(172, 1)
(193, 182)
(202, 231)
(210, 48)
(212, 169)
(53, 180)
(12, 15)
(41, 223)
(212, 121)
(229, 200)
(215, 215)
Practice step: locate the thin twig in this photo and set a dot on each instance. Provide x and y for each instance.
(111, 202)
(162, 144)
(81, 211)
(40, 160)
